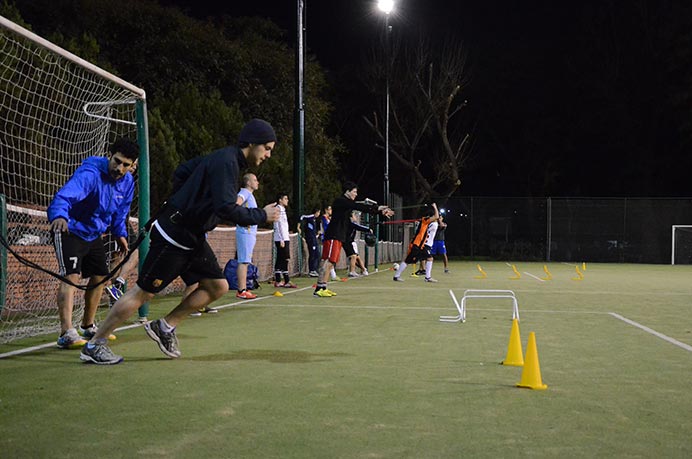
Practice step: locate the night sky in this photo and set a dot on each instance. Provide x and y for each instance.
(570, 99)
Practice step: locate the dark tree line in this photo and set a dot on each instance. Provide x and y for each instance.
(203, 80)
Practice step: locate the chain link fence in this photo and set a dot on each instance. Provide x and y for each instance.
(618, 230)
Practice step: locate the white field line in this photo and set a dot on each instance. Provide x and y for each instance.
(673, 341)
(128, 327)
(535, 277)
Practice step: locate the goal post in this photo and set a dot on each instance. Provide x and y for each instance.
(56, 110)
(681, 245)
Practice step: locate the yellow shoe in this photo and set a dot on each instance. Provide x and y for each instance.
(330, 292)
(322, 293)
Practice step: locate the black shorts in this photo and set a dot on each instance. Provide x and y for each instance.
(416, 253)
(350, 248)
(77, 256)
(283, 253)
(165, 262)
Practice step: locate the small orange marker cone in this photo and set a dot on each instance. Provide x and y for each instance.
(278, 293)
(531, 374)
(514, 357)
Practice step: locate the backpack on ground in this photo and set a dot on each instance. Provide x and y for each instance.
(230, 272)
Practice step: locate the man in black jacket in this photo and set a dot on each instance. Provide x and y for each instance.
(205, 194)
(338, 229)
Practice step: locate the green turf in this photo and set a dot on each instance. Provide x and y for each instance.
(372, 373)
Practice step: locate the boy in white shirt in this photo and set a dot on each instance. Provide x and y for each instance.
(281, 241)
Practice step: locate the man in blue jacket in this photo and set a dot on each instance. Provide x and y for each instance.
(205, 195)
(95, 200)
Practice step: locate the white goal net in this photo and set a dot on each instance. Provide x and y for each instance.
(55, 111)
(681, 245)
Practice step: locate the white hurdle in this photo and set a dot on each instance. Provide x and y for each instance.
(480, 294)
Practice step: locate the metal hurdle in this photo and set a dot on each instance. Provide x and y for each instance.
(471, 293)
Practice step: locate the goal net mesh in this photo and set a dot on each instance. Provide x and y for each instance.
(54, 113)
(682, 245)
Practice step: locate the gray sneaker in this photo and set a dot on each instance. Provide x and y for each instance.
(167, 341)
(100, 354)
(430, 279)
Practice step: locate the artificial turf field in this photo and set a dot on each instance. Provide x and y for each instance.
(372, 373)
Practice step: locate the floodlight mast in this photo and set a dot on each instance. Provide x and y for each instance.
(386, 6)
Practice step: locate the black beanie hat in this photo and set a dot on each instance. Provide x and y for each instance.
(257, 131)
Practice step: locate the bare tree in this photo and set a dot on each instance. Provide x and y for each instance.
(429, 137)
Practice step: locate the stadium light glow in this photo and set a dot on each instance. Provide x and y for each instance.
(386, 6)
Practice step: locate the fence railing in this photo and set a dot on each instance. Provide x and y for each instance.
(625, 230)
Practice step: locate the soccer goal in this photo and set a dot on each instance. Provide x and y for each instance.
(56, 110)
(681, 245)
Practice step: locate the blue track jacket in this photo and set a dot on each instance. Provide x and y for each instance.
(92, 202)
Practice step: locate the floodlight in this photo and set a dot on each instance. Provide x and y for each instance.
(386, 6)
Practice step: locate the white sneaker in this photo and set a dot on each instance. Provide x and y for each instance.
(430, 279)
(365, 273)
(353, 274)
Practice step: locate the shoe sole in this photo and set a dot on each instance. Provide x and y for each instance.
(75, 345)
(156, 338)
(89, 359)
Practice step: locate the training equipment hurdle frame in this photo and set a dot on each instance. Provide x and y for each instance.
(474, 293)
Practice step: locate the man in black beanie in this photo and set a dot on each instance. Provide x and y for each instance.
(204, 193)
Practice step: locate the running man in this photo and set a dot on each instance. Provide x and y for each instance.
(178, 243)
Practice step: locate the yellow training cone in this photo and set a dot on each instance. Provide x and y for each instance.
(548, 276)
(483, 275)
(531, 374)
(517, 274)
(580, 276)
(514, 357)
(583, 266)
(278, 293)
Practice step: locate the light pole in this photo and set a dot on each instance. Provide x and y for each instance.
(386, 6)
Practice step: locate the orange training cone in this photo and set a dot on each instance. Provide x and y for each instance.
(531, 374)
(514, 357)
